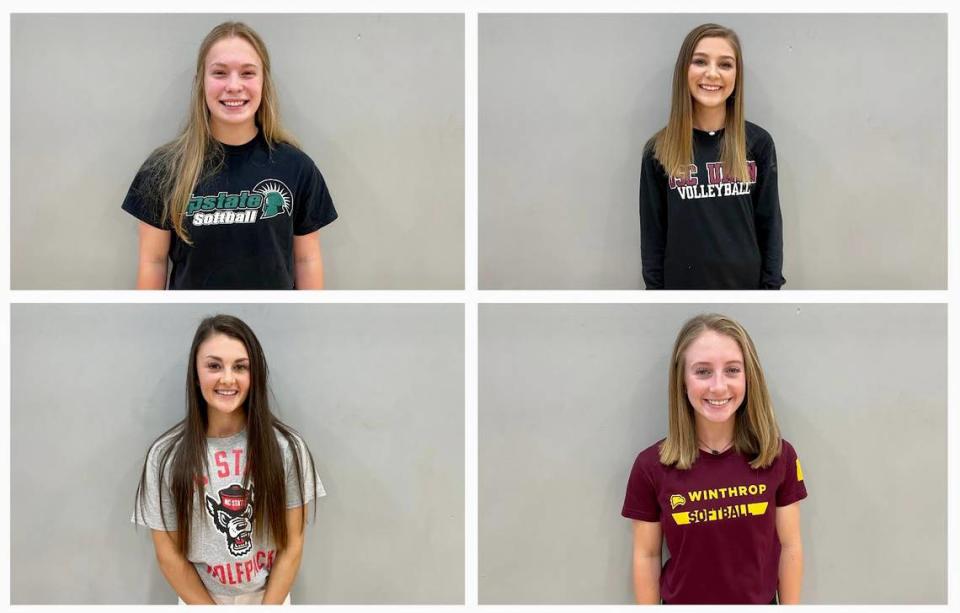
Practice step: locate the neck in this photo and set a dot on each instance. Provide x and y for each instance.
(234, 135)
(716, 436)
(710, 119)
(221, 425)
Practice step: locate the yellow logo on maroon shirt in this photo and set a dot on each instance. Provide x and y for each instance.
(731, 511)
(799, 471)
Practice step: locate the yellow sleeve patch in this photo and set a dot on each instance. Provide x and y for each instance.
(799, 471)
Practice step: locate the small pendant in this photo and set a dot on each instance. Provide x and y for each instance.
(714, 452)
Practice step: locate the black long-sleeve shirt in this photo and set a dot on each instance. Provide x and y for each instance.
(706, 232)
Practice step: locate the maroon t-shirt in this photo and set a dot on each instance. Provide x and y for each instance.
(719, 522)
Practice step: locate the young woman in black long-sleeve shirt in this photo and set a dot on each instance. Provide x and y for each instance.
(709, 207)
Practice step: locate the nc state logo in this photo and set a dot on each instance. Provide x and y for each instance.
(232, 516)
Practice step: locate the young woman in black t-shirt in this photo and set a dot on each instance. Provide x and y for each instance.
(709, 207)
(232, 202)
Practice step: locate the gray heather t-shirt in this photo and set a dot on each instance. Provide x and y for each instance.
(229, 559)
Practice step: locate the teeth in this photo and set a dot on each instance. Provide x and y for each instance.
(227, 392)
(711, 88)
(717, 403)
(234, 102)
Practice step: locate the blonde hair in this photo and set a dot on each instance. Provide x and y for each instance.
(177, 167)
(756, 434)
(673, 146)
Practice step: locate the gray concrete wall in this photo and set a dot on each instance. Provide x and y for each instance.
(376, 100)
(376, 390)
(857, 106)
(569, 394)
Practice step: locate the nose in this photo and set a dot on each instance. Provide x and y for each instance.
(227, 375)
(717, 382)
(233, 82)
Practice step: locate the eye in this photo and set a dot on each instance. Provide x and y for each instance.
(218, 73)
(726, 65)
(702, 372)
(734, 370)
(241, 367)
(699, 61)
(213, 365)
(249, 73)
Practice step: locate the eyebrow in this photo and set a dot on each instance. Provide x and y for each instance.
(216, 357)
(218, 64)
(709, 364)
(722, 57)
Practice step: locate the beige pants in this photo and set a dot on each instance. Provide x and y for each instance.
(251, 598)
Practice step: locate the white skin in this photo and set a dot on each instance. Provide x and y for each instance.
(232, 88)
(711, 78)
(223, 372)
(716, 384)
(713, 374)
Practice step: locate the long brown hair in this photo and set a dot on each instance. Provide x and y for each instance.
(755, 434)
(182, 450)
(177, 167)
(673, 146)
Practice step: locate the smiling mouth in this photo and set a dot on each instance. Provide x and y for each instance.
(710, 88)
(225, 392)
(717, 403)
(234, 104)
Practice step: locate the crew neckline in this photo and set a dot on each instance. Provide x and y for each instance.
(721, 455)
(247, 146)
(228, 439)
(708, 133)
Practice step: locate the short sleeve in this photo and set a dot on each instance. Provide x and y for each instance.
(314, 207)
(641, 498)
(154, 508)
(312, 486)
(143, 201)
(793, 487)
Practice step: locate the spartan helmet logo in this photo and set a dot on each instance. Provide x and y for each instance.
(232, 516)
(277, 198)
(677, 500)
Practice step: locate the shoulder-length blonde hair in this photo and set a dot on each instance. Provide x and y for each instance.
(673, 146)
(177, 167)
(755, 435)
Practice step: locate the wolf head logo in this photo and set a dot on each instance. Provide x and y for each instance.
(232, 516)
(677, 500)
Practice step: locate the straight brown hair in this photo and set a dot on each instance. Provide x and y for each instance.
(673, 145)
(182, 450)
(755, 435)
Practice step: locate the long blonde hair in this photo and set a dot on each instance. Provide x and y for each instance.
(673, 146)
(177, 167)
(755, 435)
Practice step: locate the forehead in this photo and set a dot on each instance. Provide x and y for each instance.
(712, 346)
(232, 51)
(222, 346)
(715, 46)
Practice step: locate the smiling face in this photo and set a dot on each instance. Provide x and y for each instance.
(714, 377)
(712, 74)
(232, 85)
(223, 371)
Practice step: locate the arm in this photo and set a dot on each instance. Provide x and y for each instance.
(154, 249)
(180, 572)
(307, 261)
(647, 544)
(653, 220)
(791, 553)
(768, 221)
(287, 563)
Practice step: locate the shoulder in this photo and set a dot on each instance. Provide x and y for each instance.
(287, 153)
(758, 139)
(161, 449)
(287, 438)
(649, 458)
(787, 450)
(649, 147)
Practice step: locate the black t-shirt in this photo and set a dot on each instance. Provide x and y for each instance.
(707, 232)
(242, 220)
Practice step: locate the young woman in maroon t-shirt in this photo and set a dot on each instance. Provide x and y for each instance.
(722, 489)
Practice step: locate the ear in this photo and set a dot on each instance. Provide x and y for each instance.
(248, 513)
(223, 518)
(211, 506)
